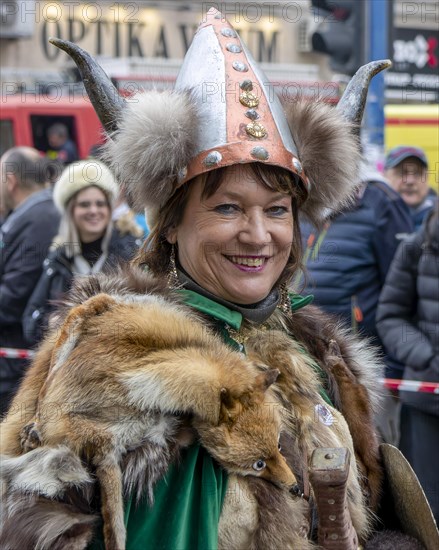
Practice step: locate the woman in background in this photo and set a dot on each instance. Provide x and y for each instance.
(87, 241)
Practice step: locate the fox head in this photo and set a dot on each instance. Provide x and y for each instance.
(246, 440)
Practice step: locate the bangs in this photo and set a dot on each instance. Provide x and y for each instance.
(272, 178)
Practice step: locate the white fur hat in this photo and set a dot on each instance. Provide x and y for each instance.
(82, 174)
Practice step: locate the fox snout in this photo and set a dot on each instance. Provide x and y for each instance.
(291, 484)
(281, 474)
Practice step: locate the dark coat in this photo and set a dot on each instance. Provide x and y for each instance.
(56, 280)
(348, 272)
(25, 237)
(408, 312)
(419, 213)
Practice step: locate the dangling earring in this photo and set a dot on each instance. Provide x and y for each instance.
(173, 281)
(284, 300)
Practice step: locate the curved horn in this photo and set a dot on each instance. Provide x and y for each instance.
(353, 100)
(104, 96)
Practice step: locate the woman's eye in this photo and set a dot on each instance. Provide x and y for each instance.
(227, 208)
(278, 210)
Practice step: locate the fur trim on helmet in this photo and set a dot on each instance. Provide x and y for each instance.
(156, 140)
(329, 153)
(80, 175)
(153, 145)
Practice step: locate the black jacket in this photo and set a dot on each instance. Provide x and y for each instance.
(56, 280)
(408, 312)
(347, 272)
(25, 237)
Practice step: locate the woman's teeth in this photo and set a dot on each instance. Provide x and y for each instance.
(251, 262)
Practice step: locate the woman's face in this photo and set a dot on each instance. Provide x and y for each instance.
(237, 242)
(91, 214)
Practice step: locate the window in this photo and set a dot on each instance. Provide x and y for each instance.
(6, 135)
(41, 123)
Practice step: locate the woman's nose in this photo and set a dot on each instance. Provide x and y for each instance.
(255, 230)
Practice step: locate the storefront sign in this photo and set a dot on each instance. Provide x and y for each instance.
(415, 71)
(130, 30)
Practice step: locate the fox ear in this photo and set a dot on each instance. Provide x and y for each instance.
(265, 379)
(225, 405)
(226, 398)
(229, 407)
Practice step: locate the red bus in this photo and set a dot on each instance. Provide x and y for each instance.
(25, 118)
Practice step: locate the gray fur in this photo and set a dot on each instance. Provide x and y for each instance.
(144, 466)
(43, 524)
(31, 516)
(367, 365)
(47, 471)
(329, 153)
(154, 142)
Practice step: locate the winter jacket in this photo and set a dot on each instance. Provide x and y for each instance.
(56, 280)
(347, 269)
(25, 237)
(418, 213)
(408, 312)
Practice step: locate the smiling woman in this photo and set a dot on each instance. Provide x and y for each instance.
(204, 313)
(87, 242)
(91, 214)
(235, 235)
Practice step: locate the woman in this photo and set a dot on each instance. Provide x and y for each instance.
(408, 321)
(87, 241)
(222, 182)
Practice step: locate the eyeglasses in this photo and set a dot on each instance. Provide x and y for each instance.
(89, 204)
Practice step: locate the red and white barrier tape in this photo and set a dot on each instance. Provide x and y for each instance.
(410, 385)
(12, 353)
(389, 383)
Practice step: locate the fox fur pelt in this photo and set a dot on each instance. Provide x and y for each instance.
(350, 369)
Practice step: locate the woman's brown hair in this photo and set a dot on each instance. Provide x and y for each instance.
(156, 251)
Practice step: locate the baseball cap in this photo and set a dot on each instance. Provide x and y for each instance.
(402, 152)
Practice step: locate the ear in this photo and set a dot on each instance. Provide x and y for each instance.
(171, 235)
(266, 379)
(228, 407)
(225, 404)
(11, 182)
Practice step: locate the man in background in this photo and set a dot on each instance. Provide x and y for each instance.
(30, 224)
(347, 263)
(406, 168)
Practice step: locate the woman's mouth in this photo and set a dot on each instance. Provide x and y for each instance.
(248, 263)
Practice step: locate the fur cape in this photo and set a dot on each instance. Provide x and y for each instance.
(58, 488)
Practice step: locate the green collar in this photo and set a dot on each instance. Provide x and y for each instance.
(215, 310)
(298, 301)
(228, 316)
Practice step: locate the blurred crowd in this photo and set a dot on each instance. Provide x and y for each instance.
(53, 231)
(374, 265)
